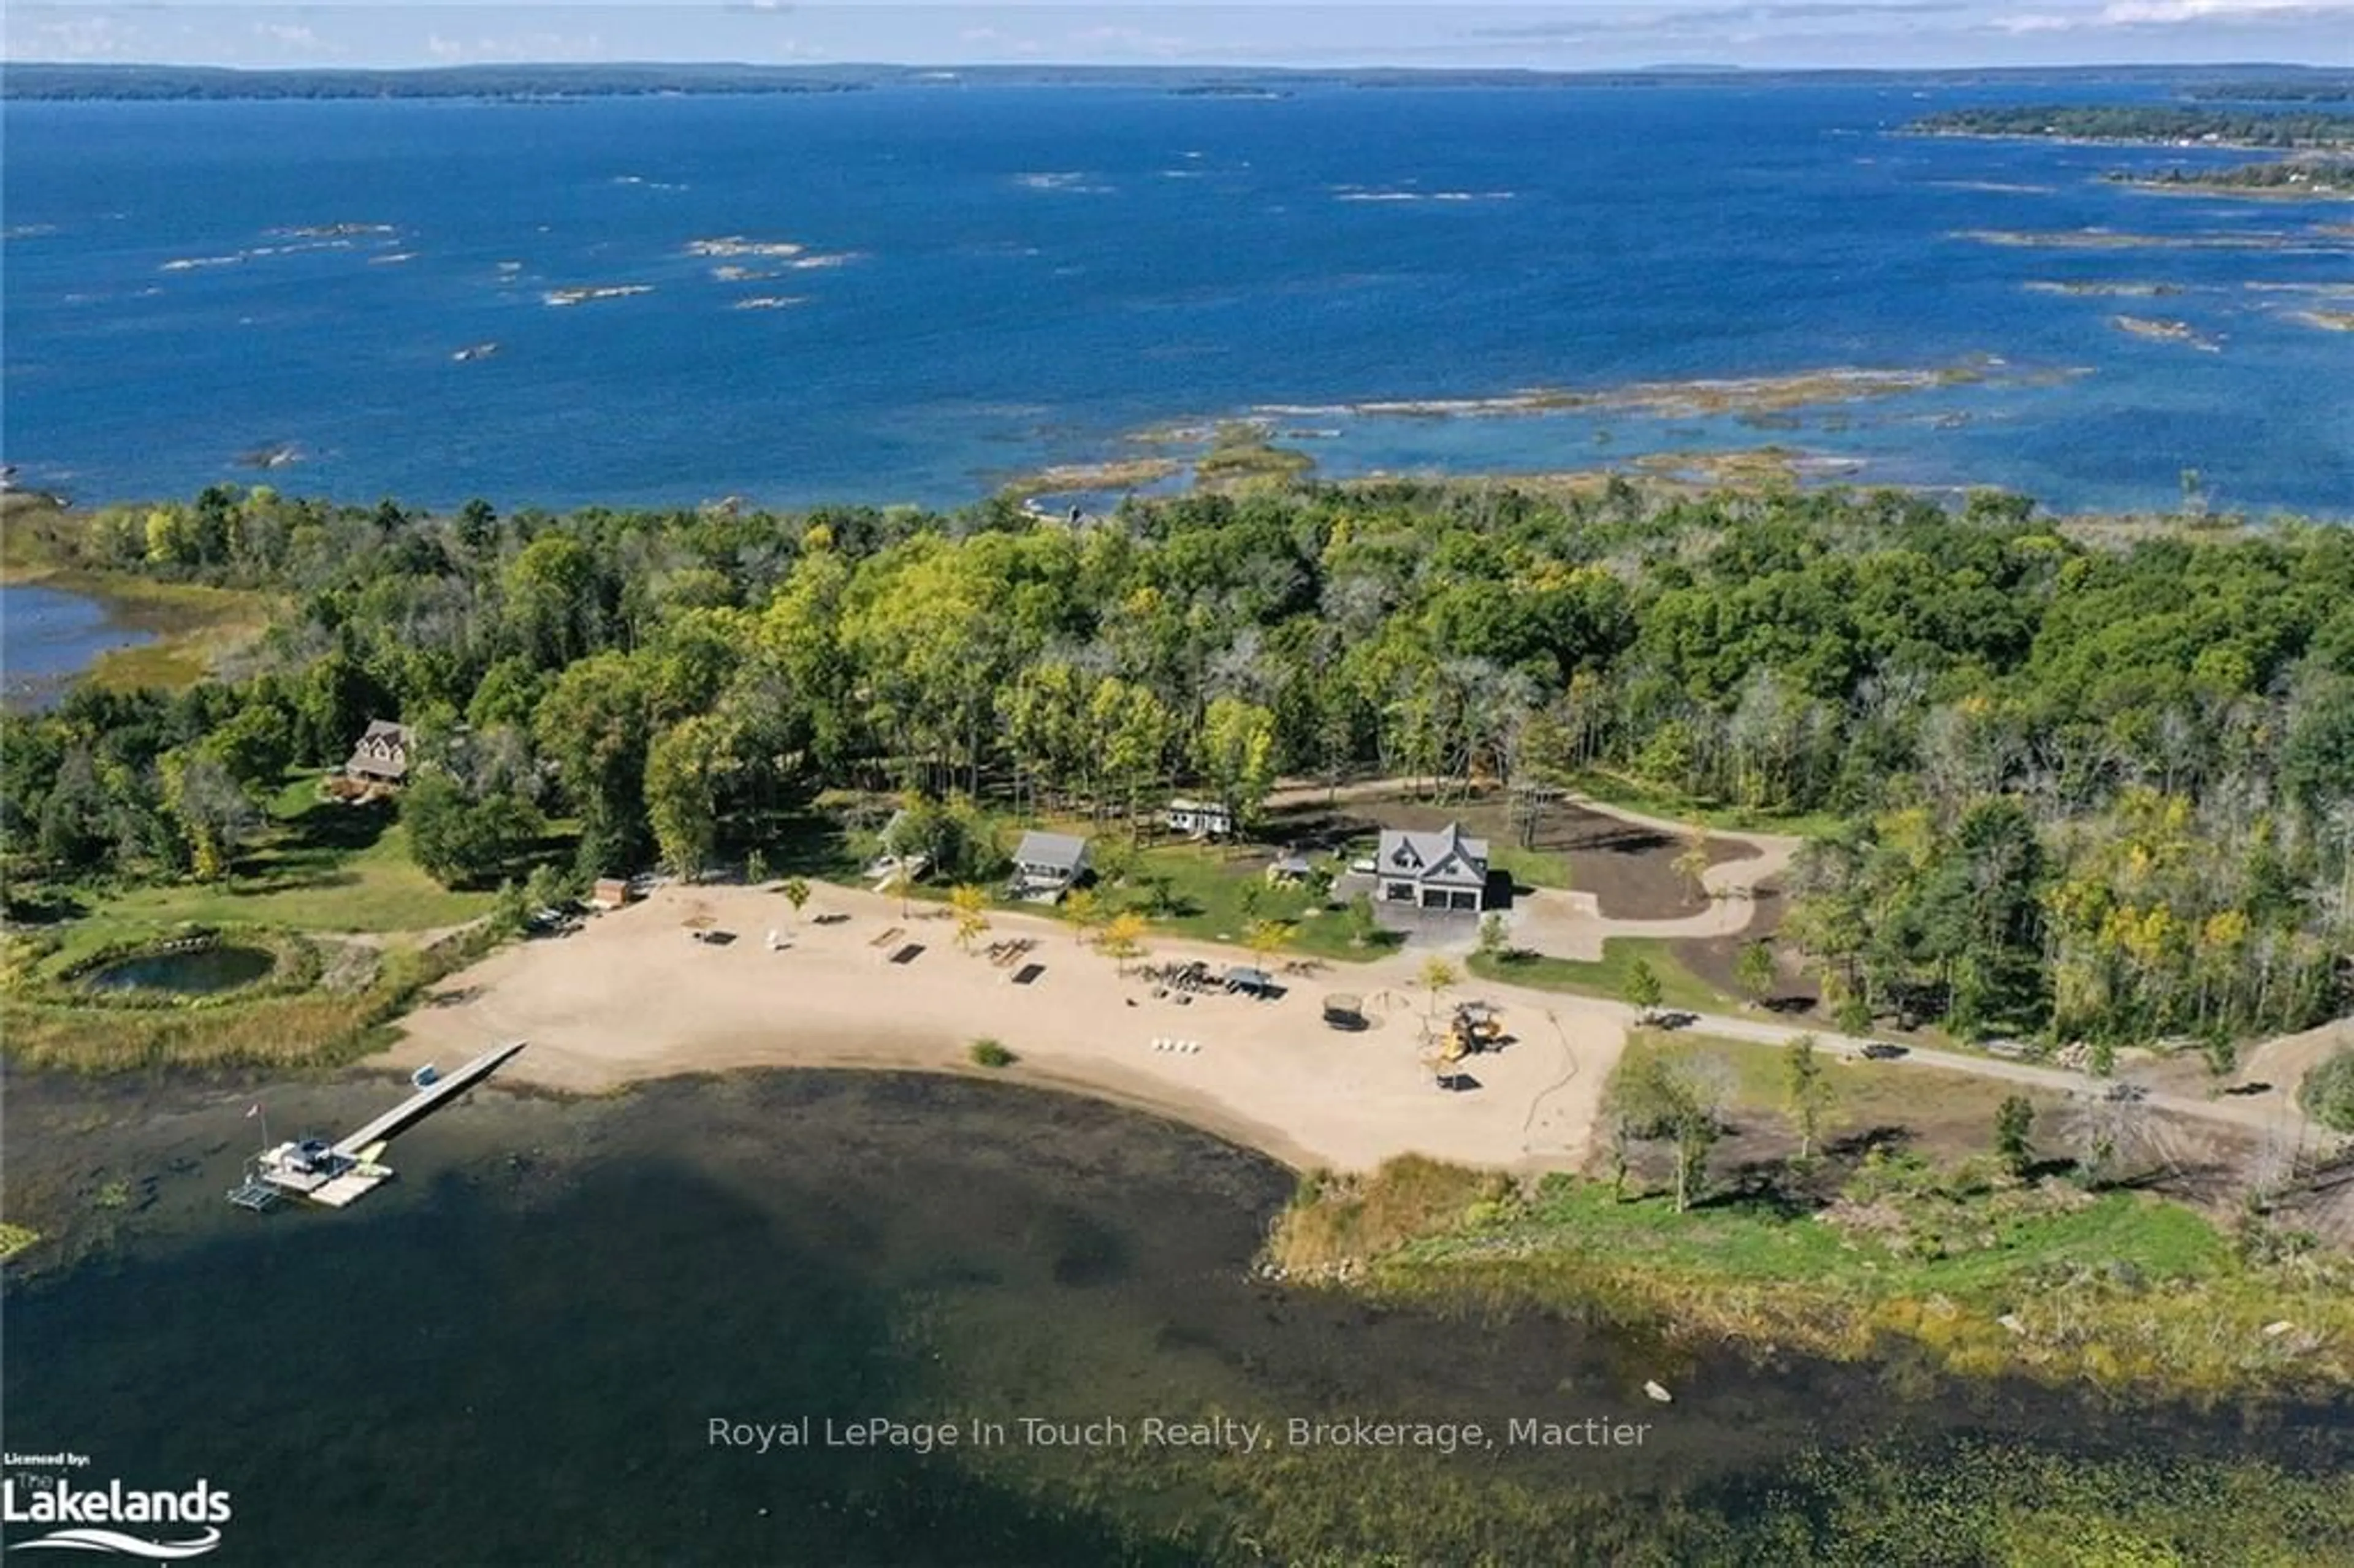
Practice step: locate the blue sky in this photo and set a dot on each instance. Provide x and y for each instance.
(1597, 35)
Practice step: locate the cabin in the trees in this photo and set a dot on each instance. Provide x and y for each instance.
(1199, 819)
(611, 893)
(1288, 871)
(1047, 865)
(1442, 870)
(382, 754)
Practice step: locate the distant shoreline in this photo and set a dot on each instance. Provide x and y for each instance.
(548, 82)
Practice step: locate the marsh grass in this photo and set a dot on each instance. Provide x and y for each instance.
(2122, 1290)
(309, 1028)
(193, 626)
(1337, 1222)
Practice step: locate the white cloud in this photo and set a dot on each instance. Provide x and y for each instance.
(296, 37)
(1134, 40)
(88, 39)
(517, 48)
(2136, 13)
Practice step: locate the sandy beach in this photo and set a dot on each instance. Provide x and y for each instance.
(634, 996)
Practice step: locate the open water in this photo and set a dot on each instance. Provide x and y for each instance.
(515, 1354)
(995, 279)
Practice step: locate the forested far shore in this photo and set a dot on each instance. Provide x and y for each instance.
(2098, 784)
(2287, 176)
(2166, 123)
(2320, 89)
(65, 81)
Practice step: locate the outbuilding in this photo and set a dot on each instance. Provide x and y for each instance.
(1047, 865)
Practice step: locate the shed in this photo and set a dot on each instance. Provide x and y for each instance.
(611, 893)
(1198, 818)
(1049, 863)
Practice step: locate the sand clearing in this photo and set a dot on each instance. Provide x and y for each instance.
(635, 996)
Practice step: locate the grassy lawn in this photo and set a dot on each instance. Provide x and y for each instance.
(1607, 975)
(1203, 892)
(319, 866)
(814, 843)
(1208, 887)
(1866, 1093)
(1528, 867)
(1616, 790)
(1532, 868)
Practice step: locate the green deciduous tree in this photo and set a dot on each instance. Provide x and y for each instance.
(2014, 1123)
(1640, 989)
(1237, 754)
(686, 768)
(1806, 1092)
(459, 841)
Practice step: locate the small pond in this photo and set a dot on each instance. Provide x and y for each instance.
(199, 972)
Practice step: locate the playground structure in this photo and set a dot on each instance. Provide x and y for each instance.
(1472, 1028)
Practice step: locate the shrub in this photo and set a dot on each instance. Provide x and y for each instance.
(2329, 1092)
(989, 1053)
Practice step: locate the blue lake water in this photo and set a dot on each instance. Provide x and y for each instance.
(997, 279)
(48, 635)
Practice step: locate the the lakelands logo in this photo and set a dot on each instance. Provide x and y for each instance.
(116, 1519)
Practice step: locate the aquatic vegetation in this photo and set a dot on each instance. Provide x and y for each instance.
(276, 1026)
(1241, 451)
(2121, 1291)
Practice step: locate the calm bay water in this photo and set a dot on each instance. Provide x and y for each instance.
(47, 636)
(997, 279)
(513, 1354)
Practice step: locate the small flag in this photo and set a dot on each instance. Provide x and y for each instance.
(254, 1109)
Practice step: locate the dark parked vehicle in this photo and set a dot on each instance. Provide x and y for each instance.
(1881, 1051)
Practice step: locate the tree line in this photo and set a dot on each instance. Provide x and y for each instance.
(2099, 782)
(2146, 123)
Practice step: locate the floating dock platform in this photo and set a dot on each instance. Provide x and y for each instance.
(340, 1174)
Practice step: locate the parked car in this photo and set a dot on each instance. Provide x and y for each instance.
(1881, 1051)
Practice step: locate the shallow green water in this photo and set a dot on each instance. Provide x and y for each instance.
(203, 972)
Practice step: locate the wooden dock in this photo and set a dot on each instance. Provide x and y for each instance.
(384, 1128)
(341, 1174)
